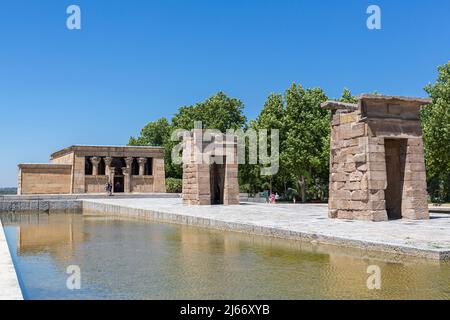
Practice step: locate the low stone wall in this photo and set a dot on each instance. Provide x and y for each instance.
(44, 178)
(50, 206)
(102, 195)
(69, 203)
(245, 198)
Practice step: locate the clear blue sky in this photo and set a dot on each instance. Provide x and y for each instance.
(135, 61)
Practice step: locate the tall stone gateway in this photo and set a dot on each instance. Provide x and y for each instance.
(377, 169)
(210, 169)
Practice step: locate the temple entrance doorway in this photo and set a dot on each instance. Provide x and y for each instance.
(118, 184)
(395, 150)
(217, 181)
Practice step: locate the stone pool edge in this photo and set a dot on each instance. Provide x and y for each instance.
(9, 283)
(117, 210)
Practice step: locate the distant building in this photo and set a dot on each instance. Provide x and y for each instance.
(87, 169)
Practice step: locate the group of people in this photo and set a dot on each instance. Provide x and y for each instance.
(270, 196)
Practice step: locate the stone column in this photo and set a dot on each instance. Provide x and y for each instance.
(415, 196)
(108, 161)
(127, 179)
(95, 161)
(129, 162)
(142, 162)
(78, 174)
(111, 173)
(159, 175)
(231, 185)
(19, 183)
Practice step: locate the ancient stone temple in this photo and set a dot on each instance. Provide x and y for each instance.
(87, 169)
(210, 169)
(377, 159)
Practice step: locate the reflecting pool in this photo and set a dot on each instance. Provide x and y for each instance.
(128, 259)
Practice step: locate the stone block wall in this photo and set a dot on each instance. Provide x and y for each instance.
(142, 184)
(414, 199)
(231, 192)
(44, 179)
(358, 163)
(95, 184)
(159, 175)
(78, 174)
(196, 184)
(197, 172)
(66, 159)
(189, 184)
(353, 187)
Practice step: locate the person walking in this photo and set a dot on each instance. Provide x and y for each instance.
(266, 196)
(108, 188)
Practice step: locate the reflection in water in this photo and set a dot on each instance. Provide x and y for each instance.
(124, 259)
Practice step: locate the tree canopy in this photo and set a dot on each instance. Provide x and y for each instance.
(217, 112)
(153, 134)
(305, 149)
(436, 133)
(304, 129)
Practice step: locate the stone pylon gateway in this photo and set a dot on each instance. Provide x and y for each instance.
(210, 168)
(377, 168)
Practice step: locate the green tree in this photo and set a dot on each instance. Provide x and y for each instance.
(157, 133)
(217, 112)
(348, 97)
(436, 132)
(305, 151)
(153, 134)
(270, 117)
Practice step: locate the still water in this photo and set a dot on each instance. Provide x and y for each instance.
(127, 259)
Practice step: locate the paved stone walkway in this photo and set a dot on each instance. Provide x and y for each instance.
(9, 285)
(426, 238)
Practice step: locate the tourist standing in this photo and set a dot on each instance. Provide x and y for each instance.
(272, 198)
(108, 188)
(266, 196)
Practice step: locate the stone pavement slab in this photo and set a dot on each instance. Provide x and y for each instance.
(9, 285)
